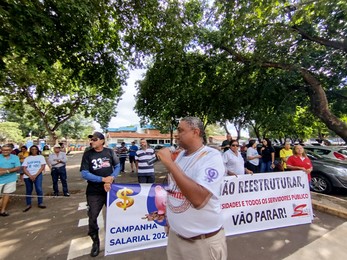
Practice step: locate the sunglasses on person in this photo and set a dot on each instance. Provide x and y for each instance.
(235, 145)
(94, 139)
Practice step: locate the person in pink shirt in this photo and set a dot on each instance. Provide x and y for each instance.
(299, 161)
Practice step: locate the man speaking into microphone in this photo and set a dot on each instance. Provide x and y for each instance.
(193, 202)
(144, 160)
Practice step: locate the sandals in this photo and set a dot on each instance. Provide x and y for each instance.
(4, 214)
(27, 208)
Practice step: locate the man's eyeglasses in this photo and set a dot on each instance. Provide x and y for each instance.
(235, 145)
(94, 139)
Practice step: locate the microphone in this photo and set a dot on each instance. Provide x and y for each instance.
(155, 159)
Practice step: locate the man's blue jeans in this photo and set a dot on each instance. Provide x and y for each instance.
(122, 163)
(29, 189)
(56, 174)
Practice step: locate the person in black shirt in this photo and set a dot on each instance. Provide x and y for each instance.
(226, 143)
(99, 167)
(267, 153)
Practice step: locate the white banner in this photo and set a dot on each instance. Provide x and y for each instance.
(265, 201)
(135, 212)
(135, 218)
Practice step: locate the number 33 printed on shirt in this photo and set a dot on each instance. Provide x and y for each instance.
(100, 163)
(97, 163)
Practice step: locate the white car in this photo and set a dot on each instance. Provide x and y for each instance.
(332, 152)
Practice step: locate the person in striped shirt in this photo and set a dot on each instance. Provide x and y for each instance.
(122, 154)
(145, 170)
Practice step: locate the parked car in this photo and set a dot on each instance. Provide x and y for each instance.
(332, 152)
(327, 174)
(157, 147)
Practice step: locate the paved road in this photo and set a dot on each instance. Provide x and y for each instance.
(59, 232)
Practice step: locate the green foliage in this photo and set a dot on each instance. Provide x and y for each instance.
(265, 64)
(302, 38)
(214, 129)
(77, 127)
(253, 63)
(61, 58)
(10, 132)
(177, 86)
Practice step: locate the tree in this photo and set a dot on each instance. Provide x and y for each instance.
(299, 45)
(178, 86)
(214, 129)
(77, 127)
(306, 37)
(10, 132)
(61, 58)
(28, 124)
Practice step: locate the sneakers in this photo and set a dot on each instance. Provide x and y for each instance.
(41, 206)
(4, 214)
(67, 194)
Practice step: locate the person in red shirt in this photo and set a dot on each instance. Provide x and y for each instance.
(300, 161)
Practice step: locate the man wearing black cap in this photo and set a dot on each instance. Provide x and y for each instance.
(99, 167)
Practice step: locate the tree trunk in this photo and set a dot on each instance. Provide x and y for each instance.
(320, 106)
(53, 136)
(257, 133)
(171, 135)
(237, 126)
(225, 127)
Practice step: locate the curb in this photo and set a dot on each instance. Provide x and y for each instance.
(327, 209)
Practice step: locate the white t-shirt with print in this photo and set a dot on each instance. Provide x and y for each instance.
(33, 164)
(207, 169)
(234, 163)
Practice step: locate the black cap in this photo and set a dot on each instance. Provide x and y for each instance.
(97, 135)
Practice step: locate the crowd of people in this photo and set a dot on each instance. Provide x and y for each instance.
(30, 165)
(257, 157)
(195, 175)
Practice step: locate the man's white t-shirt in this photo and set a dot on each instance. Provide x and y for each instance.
(234, 163)
(33, 164)
(207, 169)
(251, 152)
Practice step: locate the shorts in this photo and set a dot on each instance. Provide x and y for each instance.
(7, 188)
(131, 159)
